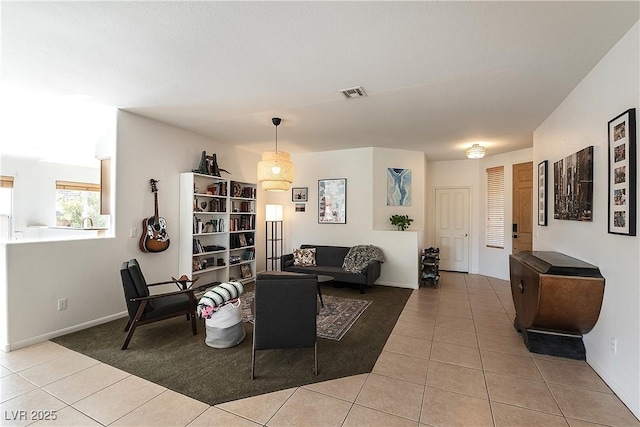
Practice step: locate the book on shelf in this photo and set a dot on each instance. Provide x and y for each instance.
(197, 247)
(236, 189)
(198, 226)
(247, 222)
(248, 207)
(249, 192)
(218, 188)
(242, 223)
(212, 226)
(217, 205)
(249, 254)
(243, 191)
(240, 239)
(213, 248)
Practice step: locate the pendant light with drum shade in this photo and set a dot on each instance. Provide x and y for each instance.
(275, 170)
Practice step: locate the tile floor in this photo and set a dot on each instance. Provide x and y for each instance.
(453, 359)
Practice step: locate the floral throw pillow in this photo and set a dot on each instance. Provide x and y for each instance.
(304, 257)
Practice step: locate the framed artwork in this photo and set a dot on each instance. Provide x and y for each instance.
(542, 193)
(398, 187)
(300, 207)
(573, 186)
(245, 270)
(622, 174)
(300, 194)
(332, 201)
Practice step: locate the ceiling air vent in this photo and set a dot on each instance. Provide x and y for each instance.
(353, 92)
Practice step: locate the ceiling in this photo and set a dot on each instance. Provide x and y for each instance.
(439, 75)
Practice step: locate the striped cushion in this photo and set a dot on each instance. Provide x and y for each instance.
(218, 296)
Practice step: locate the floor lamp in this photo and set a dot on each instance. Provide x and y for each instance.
(274, 237)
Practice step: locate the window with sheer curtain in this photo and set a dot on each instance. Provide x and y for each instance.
(495, 208)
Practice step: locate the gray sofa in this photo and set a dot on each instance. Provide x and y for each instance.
(329, 260)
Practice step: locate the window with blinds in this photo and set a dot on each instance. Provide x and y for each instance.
(77, 186)
(495, 207)
(6, 181)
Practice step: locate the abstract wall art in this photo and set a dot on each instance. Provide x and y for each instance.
(332, 201)
(398, 187)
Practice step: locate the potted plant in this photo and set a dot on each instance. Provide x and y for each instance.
(401, 221)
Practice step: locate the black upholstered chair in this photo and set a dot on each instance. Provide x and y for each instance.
(144, 308)
(285, 308)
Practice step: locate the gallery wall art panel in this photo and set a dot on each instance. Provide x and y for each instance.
(573, 186)
(622, 174)
(398, 187)
(542, 193)
(332, 201)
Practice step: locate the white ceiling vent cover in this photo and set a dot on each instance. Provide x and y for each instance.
(353, 92)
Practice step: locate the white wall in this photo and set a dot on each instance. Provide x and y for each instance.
(34, 192)
(4, 300)
(494, 262)
(367, 213)
(455, 174)
(580, 121)
(386, 158)
(86, 272)
(472, 174)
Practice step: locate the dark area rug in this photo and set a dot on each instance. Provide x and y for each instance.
(168, 354)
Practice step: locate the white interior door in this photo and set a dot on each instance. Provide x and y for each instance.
(452, 228)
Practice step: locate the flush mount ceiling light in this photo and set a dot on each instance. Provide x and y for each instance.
(275, 170)
(476, 151)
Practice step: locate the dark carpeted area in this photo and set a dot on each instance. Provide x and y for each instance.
(168, 354)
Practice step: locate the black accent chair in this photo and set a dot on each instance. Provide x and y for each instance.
(144, 308)
(285, 308)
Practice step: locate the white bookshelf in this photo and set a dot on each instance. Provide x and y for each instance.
(217, 228)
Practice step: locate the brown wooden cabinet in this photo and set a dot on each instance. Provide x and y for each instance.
(557, 299)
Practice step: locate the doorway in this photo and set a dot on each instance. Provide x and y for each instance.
(522, 210)
(452, 228)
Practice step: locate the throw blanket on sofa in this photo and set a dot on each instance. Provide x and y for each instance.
(213, 299)
(360, 256)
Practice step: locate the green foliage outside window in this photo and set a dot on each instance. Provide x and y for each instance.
(72, 207)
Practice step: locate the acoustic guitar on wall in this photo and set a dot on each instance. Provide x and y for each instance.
(154, 237)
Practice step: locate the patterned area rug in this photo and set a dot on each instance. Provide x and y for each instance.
(334, 319)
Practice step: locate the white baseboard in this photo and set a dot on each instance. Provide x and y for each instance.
(615, 387)
(60, 332)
